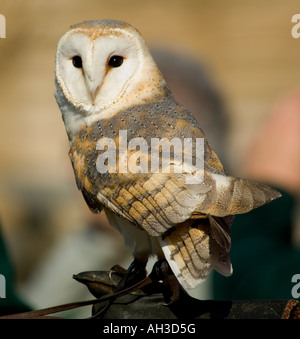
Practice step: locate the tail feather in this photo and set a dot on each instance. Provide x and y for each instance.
(230, 196)
(192, 251)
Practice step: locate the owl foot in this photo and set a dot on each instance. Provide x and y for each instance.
(170, 286)
(134, 274)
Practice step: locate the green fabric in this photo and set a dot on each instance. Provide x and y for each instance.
(12, 303)
(262, 254)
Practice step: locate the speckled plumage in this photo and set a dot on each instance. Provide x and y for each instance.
(157, 213)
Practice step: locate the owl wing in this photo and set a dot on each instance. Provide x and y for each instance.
(158, 201)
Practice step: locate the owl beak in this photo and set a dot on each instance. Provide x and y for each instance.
(94, 77)
(94, 93)
(94, 88)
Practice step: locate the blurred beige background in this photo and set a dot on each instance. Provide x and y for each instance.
(246, 46)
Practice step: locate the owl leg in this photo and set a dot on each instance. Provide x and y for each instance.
(134, 274)
(171, 288)
(161, 273)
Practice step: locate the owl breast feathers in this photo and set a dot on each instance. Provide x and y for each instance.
(114, 105)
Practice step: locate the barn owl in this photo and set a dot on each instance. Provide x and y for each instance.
(115, 103)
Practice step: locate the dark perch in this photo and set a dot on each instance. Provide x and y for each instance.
(154, 302)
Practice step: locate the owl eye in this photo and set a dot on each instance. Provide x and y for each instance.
(115, 61)
(77, 61)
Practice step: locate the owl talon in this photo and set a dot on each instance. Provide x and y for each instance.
(116, 269)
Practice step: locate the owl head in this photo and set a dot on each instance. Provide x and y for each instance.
(102, 67)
